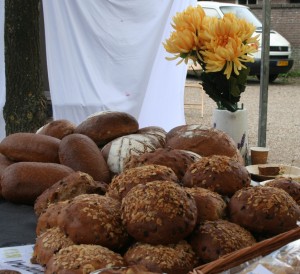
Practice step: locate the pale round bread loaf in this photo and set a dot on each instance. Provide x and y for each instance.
(176, 159)
(213, 239)
(67, 188)
(218, 173)
(94, 219)
(57, 128)
(49, 243)
(159, 212)
(129, 178)
(105, 126)
(210, 205)
(117, 151)
(203, 140)
(81, 153)
(76, 259)
(264, 210)
(172, 259)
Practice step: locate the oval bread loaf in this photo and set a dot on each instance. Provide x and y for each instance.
(57, 128)
(81, 153)
(30, 147)
(23, 182)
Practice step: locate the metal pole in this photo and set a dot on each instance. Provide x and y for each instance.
(264, 74)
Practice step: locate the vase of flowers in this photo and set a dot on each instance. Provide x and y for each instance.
(222, 47)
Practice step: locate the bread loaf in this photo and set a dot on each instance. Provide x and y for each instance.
(30, 147)
(57, 128)
(67, 188)
(102, 127)
(23, 182)
(80, 152)
(4, 163)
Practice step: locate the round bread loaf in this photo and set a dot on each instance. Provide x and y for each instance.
(176, 159)
(218, 173)
(157, 132)
(210, 205)
(23, 182)
(49, 217)
(289, 185)
(57, 128)
(172, 259)
(213, 239)
(4, 163)
(68, 187)
(94, 219)
(122, 183)
(117, 151)
(264, 210)
(80, 152)
(49, 243)
(30, 147)
(105, 126)
(77, 259)
(203, 140)
(159, 212)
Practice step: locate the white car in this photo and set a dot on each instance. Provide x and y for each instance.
(280, 49)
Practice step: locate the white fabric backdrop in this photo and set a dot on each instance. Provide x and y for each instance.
(108, 55)
(2, 71)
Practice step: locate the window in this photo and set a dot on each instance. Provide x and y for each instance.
(250, 2)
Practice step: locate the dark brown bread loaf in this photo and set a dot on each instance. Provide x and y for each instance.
(264, 210)
(23, 182)
(49, 243)
(210, 205)
(172, 259)
(94, 219)
(289, 185)
(78, 259)
(67, 188)
(30, 147)
(129, 178)
(118, 150)
(103, 127)
(57, 128)
(159, 212)
(80, 152)
(218, 173)
(49, 217)
(176, 159)
(213, 239)
(203, 140)
(4, 163)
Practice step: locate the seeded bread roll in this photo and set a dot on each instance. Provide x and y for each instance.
(57, 128)
(177, 160)
(23, 182)
(210, 205)
(159, 212)
(172, 259)
(49, 243)
(67, 188)
(289, 185)
(30, 147)
(105, 126)
(264, 210)
(133, 269)
(218, 173)
(129, 178)
(203, 140)
(49, 217)
(82, 154)
(213, 239)
(118, 150)
(94, 219)
(77, 259)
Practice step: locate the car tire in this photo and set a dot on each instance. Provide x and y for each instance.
(272, 77)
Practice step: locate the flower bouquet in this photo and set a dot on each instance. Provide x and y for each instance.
(220, 46)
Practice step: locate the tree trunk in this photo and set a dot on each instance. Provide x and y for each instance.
(25, 107)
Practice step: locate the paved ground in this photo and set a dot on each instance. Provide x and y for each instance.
(283, 120)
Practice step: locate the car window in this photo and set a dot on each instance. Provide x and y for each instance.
(211, 12)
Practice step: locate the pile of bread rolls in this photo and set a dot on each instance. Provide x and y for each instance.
(110, 195)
